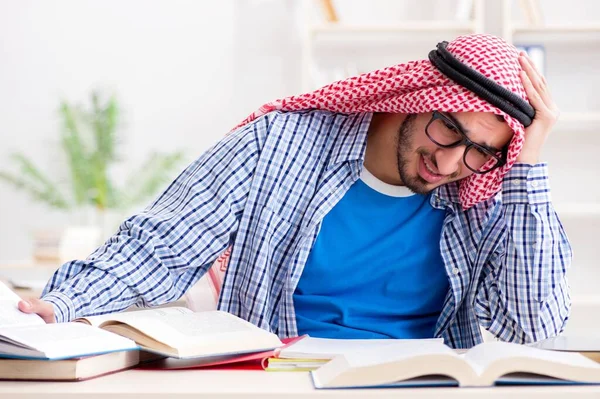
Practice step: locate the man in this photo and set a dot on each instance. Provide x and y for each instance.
(395, 204)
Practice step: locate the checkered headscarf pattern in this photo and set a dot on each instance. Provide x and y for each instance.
(417, 87)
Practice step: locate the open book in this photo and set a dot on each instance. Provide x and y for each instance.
(28, 336)
(432, 364)
(175, 332)
(181, 333)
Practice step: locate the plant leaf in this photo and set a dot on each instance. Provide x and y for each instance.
(74, 148)
(104, 121)
(35, 183)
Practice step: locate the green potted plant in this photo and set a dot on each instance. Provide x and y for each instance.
(89, 139)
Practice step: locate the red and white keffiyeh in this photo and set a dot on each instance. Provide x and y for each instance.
(417, 87)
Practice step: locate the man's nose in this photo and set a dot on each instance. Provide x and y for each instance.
(449, 159)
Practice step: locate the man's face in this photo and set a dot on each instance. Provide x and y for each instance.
(423, 165)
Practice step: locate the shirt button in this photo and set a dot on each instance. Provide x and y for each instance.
(516, 182)
(534, 184)
(455, 271)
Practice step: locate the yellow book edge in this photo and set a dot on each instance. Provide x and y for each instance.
(283, 364)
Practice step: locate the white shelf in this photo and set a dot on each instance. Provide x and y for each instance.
(549, 31)
(579, 117)
(585, 300)
(404, 27)
(567, 28)
(578, 122)
(578, 209)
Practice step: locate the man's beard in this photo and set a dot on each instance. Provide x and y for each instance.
(404, 149)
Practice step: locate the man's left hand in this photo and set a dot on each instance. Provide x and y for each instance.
(546, 111)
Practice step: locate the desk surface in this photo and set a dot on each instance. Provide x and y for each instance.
(256, 384)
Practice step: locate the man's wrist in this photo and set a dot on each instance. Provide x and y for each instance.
(64, 309)
(528, 158)
(526, 184)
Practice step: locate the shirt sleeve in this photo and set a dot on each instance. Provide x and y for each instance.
(158, 254)
(525, 295)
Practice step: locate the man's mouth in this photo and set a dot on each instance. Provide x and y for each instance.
(427, 171)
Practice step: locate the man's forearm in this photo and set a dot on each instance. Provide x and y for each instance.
(159, 253)
(90, 290)
(125, 272)
(525, 296)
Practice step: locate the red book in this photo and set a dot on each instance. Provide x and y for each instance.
(250, 361)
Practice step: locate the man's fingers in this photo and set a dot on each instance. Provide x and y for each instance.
(548, 112)
(532, 93)
(25, 306)
(34, 305)
(531, 69)
(538, 81)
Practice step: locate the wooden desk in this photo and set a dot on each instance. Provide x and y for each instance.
(257, 385)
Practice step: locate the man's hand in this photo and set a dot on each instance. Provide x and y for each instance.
(43, 309)
(546, 111)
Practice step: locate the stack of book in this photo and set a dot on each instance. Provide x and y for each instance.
(97, 345)
(180, 338)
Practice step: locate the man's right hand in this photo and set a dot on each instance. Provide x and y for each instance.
(42, 308)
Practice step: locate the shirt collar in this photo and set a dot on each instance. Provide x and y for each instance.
(351, 143)
(446, 196)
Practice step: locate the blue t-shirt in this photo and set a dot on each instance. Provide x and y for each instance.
(375, 270)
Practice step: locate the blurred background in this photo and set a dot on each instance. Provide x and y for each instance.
(102, 103)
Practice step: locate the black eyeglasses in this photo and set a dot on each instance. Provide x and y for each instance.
(445, 133)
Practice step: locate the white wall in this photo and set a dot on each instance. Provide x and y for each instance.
(186, 71)
(170, 63)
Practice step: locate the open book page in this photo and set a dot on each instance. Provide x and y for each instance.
(10, 315)
(484, 355)
(326, 348)
(186, 329)
(155, 314)
(395, 352)
(63, 340)
(484, 365)
(395, 364)
(492, 360)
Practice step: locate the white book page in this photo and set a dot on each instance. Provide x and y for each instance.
(179, 330)
(67, 339)
(326, 348)
(10, 315)
(482, 356)
(395, 352)
(159, 314)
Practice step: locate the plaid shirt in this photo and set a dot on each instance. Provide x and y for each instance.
(264, 190)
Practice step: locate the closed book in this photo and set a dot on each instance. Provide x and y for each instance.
(311, 353)
(252, 361)
(74, 369)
